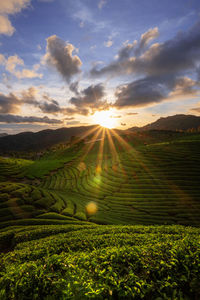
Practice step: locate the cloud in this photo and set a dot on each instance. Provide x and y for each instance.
(184, 86)
(2, 59)
(12, 62)
(9, 103)
(10, 7)
(108, 44)
(85, 102)
(123, 124)
(145, 39)
(29, 96)
(73, 122)
(74, 87)
(69, 119)
(90, 98)
(77, 110)
(101, 3)
(126, 50)
(51, 108)
(132, 114)
(151, 90)
(6, 80)
(115, 117)
(195, 109)
(162, 69)
(12, 104)
(81, 12)
(49, 105)
(6, 26)
(180, 54)
(59, 55)
(8, 118)
(139, 93)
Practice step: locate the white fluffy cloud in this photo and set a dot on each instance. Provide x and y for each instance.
(13, 62)
(5, 26)
(10, 7)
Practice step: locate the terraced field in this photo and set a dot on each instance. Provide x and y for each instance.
(123, 181)
(52, 245)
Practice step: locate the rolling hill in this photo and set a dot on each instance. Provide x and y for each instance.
(3, 134)
(130, 182)
(177, 122)
(36, 141)
(116, 217)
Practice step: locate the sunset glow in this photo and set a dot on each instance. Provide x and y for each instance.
(97, 62)
(105, 119)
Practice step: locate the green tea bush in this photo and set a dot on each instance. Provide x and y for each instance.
(102, 262)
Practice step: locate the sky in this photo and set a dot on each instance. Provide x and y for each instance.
(119, 63)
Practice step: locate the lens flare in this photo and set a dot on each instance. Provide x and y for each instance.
(91, 208)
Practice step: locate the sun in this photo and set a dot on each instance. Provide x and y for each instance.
(104, 118)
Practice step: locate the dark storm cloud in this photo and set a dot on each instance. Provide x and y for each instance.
(90, 98)
(8, 118)
(59, 55)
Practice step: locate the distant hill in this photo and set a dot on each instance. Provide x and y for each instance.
(3, 134)
(36, 141)
(177, 122)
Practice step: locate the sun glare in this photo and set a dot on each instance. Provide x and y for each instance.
(104, 118)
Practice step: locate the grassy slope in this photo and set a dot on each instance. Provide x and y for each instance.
(157, 183)
(49, 250)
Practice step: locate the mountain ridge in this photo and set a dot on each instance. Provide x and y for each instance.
(37, 141)
(178, 122)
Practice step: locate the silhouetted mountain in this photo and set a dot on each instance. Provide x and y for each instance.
(177, 122)
(36, 141)
(3, 134)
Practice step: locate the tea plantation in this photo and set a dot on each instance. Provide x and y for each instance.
(114, 217)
